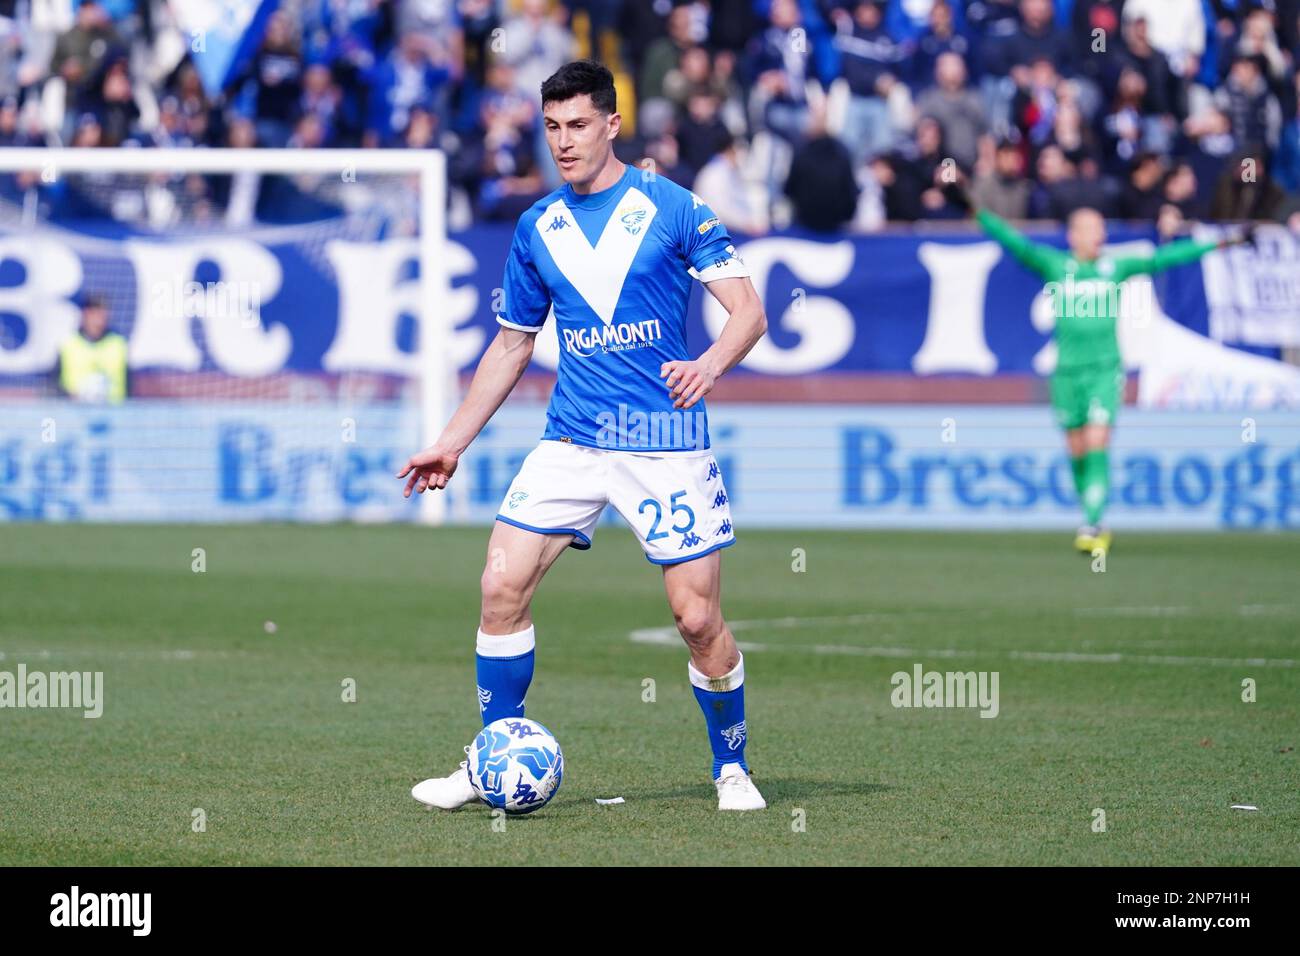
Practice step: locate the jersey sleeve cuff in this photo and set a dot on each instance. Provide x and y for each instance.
(534, 329)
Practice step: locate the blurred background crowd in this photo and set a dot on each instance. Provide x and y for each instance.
(832, 114)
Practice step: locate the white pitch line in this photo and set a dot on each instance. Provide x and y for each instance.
(668, 637)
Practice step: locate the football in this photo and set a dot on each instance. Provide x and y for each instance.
(516, 765)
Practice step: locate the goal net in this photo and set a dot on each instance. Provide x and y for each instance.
(282, 322)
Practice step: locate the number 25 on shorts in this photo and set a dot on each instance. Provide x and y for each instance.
(654, 534)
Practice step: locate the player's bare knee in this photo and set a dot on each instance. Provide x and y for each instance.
(699, 623)
(505, 602)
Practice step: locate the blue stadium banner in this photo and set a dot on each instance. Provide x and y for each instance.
(314, 300)
(827, 466)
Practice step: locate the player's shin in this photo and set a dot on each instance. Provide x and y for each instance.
(1096, 484)
(1077, 470)
(505, 669)
(723, 701)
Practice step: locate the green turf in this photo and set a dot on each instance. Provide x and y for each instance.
(204, 709)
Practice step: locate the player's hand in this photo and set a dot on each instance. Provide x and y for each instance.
(687, 382)
(431, 468)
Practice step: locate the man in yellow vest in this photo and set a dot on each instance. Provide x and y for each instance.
(92, 363)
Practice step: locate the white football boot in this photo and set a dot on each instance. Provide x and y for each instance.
(736, 791)
(447, 793)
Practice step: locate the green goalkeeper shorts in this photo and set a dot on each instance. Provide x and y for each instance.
(1086, 396)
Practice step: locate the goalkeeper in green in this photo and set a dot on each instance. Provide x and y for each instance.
(1087, 386)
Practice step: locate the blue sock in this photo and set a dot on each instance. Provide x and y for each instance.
(505, 669)
(723, 701)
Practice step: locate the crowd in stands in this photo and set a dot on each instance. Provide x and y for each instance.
(833, 114)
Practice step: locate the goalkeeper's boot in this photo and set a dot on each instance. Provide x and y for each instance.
(736, 791)
(1085, 539)
(1102, 541)
(447, 793)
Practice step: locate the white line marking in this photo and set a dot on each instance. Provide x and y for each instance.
(668, 637)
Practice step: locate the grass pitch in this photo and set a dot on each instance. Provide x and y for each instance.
(1119, 690)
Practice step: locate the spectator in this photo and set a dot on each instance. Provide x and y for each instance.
(404, 80)
(939, 37)
(1138, 54)
(1143, 194)
(694, 72)
(1123, 123)
(80, 52)
(438, 25)
(274, 78)
(1245, 191)
(900, 183)
(872, 61)
(113, 103)
(782, 67)
(958, 109)
(511, 181)
(1036, 39)
(821, 184)
(1064, 187)
(1180, 191)
(536, 44)
(999, 184)
(722, 184)
(1252, 110)
(1034, 106)
(908, 21)
(701, 132)
(1096, 32)
(323, 101)
(663, 55)
(939, 176)
(1176, 29)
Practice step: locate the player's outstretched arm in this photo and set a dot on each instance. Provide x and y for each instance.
(689, 381)
(1034, 256)
(1180, 253)
(497, 373)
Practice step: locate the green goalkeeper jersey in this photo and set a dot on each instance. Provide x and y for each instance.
(1086, 294)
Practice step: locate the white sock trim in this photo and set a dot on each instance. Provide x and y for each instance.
(506, 645)
(728, 681)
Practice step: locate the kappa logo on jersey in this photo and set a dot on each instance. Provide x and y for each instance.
(724, 528)
(734, 735)
(719, 499)
(516, 499)
(559, 222)
(689, 540)
(713, 470)
(484, 698)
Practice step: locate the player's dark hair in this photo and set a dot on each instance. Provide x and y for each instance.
(579, 77)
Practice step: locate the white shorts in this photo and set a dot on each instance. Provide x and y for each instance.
(674, 501)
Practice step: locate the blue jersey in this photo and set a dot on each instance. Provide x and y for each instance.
(617, 266)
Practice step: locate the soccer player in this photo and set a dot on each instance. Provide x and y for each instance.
(612, 252)
(1087, 386)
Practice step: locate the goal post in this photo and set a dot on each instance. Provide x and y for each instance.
(160, 195)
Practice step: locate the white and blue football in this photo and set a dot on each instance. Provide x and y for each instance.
(515, 765)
